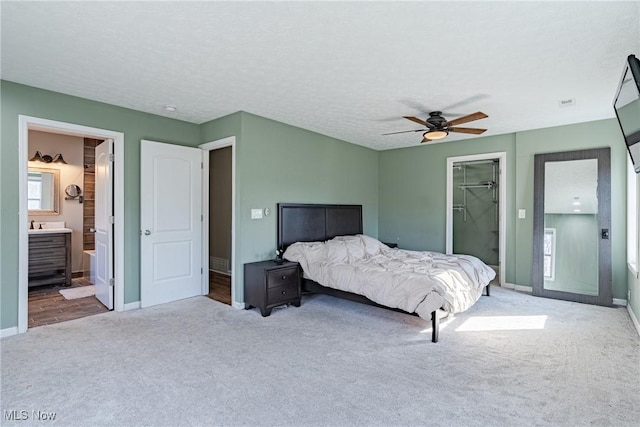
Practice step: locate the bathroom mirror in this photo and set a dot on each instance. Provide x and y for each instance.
(42, 191)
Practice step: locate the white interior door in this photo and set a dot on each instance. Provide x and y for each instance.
(171, 224)
(104, 223)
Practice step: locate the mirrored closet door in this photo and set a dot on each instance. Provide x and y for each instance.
(572, 231)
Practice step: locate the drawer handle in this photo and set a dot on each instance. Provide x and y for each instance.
(284, 277)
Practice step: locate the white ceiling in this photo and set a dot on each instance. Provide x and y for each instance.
(349, 70)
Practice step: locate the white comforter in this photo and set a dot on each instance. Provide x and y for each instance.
(413, 281)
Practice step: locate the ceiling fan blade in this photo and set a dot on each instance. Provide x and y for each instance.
(404, 131)
(474, 131)
(415, 119)
(463, 102)
(412, 103)
(468, 118)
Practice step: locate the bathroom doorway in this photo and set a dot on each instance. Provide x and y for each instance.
(61, 214)
(71, 197)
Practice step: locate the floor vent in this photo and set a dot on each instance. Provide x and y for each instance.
(219, 264)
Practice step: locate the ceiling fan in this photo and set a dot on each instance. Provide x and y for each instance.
(437, 127)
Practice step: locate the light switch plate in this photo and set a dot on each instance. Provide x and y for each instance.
(256, 213)
(522, 214)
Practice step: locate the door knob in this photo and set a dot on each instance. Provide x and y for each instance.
(92, 230)
(147, 232)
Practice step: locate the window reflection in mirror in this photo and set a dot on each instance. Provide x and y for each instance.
(42, 191)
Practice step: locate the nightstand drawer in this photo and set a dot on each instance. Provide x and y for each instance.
(282, 277)
(282, 293)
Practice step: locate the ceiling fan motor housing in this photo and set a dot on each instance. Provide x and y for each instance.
(436, 120)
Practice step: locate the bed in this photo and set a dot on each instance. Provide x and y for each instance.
(339, 260)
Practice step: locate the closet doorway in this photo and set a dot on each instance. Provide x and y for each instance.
(475, 208)
(219, 207)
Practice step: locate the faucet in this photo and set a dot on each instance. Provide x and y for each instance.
(31, 227)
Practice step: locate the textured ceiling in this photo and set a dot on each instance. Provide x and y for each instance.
(349, 70)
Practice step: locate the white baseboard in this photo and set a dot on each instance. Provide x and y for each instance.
(634, 319)
(8, 332)
(238, 305)
(620, 302)
(132, 306)
(520, 288)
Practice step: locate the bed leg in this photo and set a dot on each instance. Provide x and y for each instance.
(435, 326)
(488, 286)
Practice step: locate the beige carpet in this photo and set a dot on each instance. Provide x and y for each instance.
(511, 360)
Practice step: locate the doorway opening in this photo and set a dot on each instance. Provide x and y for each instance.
(476, 197)
(61, 243)
(220, 260)
(219, 220)
(62, 237)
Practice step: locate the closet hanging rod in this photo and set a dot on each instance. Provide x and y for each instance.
(477, 185)
(474, 162)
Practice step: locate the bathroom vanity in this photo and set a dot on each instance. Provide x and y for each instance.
(50, 257)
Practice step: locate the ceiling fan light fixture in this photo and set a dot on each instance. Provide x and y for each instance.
(435, 134)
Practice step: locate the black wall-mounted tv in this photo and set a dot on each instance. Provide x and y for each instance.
(627, 107)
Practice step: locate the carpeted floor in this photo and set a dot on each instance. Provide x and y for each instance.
(511, 360)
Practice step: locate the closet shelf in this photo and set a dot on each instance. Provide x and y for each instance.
(486, 184)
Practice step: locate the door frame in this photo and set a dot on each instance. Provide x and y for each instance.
(502, 204)
(605, 285)
(25, 124)
(206, 147)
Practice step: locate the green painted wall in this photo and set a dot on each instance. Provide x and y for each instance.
(576, 253)
(413, 193)
(18, 99)
(633, 282)
(281, 163)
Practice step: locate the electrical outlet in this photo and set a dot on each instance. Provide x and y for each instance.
(256, 213)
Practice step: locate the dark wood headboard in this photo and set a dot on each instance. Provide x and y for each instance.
(299, 222)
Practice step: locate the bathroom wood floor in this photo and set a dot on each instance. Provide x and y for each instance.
(220, 287)
(47, 306)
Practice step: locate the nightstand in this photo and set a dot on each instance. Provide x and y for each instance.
(268, 284)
